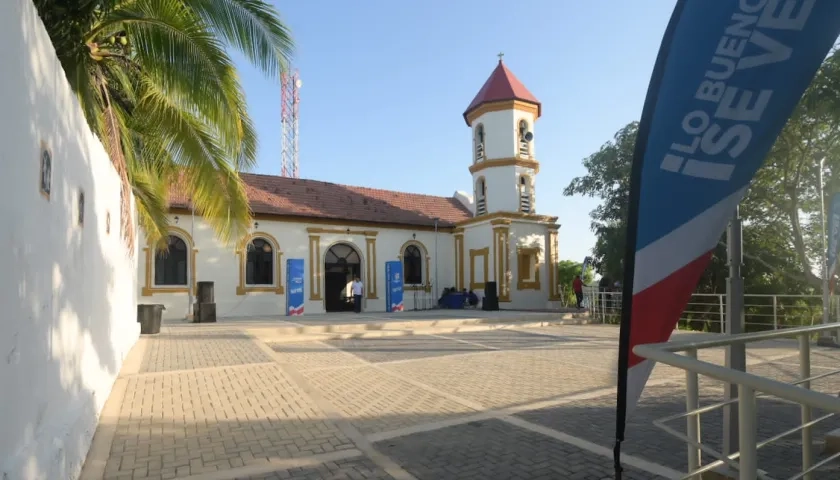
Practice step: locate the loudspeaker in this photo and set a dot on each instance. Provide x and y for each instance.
(206, 313)
(206, 293)
(491, 297)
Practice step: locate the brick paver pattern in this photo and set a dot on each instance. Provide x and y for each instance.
(216, 400)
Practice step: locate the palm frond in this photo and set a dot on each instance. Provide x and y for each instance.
(251, 26)
(209, 175)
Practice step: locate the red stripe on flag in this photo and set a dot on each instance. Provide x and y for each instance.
(657, 309)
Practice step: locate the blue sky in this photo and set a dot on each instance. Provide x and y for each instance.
(385, 83)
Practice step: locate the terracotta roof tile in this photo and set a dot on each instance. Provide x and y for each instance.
(272, 195)
(502, 85)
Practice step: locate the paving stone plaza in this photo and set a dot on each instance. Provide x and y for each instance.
(518, 401)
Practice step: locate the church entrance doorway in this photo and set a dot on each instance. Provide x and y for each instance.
(341, 263)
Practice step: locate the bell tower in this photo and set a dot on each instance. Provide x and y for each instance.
(504, 165)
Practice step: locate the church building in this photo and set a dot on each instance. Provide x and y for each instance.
(341, 231)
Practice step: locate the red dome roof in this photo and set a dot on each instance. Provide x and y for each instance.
(502, 85)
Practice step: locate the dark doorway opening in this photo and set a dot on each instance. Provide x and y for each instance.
(341, 264)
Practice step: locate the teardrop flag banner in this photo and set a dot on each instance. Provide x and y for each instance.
(728, 75)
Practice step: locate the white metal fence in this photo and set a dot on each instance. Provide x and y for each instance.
(707, 311)
(750, 386)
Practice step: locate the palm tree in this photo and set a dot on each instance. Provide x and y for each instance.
(159, 89)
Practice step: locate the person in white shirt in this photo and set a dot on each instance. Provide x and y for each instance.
(358, 288)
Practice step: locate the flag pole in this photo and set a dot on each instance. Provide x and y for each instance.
(632, 230)
(736, 356)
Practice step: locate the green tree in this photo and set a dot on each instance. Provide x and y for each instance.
(160, 91)
(566, 272)
(781, 225)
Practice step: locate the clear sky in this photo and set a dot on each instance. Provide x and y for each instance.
(385, 83)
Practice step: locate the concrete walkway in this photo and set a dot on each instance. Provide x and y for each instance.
(222, 402)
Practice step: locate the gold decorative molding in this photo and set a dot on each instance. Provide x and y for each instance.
(149, 288)
(334, 222)
(512, 216)
(315, 267)
(476, 253)
(551, 265)
(502, 105)
(370, 263)
(242, 253)
(506, 162)
(501, 253)
(459, 260)
(348, 231)
(500, 221)
(528, 260)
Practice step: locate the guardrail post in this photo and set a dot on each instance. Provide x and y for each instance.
(747, 425)
(805, 372)
(722, 314)
(775, 315)
(692, 402)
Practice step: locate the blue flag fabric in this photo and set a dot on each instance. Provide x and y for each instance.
(728, 75)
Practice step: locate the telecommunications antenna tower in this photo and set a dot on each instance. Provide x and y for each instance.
(289, 109)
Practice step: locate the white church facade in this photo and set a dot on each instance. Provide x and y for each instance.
(342, 231)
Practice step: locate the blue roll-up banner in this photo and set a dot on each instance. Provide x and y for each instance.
(728, 75)
(394, 284)
(294, 287)
(833, 234)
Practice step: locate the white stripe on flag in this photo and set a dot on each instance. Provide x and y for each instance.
(683, 245)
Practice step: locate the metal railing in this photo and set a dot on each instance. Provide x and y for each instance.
(707, 311)
(750, 386)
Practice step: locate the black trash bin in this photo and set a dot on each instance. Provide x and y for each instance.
(149, 317)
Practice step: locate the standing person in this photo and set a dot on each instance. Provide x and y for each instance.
(577, 286)
(358, 288)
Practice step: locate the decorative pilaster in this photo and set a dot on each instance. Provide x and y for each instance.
(551, 260)
(315, 267)
(428, 286)
(459, 258)
(501, 256)
(370, 265)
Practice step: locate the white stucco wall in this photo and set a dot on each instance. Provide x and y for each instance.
(476, 237)
(527, 234)
(219, 263)
(522, 233)
(501, 133)
(501, 140)
(68, 291)
(502, 193)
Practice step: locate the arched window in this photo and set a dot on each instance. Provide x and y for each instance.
(525, 201)
(480, 197)
(412, 265)
(524, 144)
(479, 142)
(171, 264)
(259, 263)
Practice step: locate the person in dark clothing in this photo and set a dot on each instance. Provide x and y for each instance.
(605, 284)
(577, 286)
(472, 298)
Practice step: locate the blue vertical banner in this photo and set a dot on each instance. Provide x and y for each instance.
(394, 286)
(833, 236)
(727, 77)
(294, 287)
